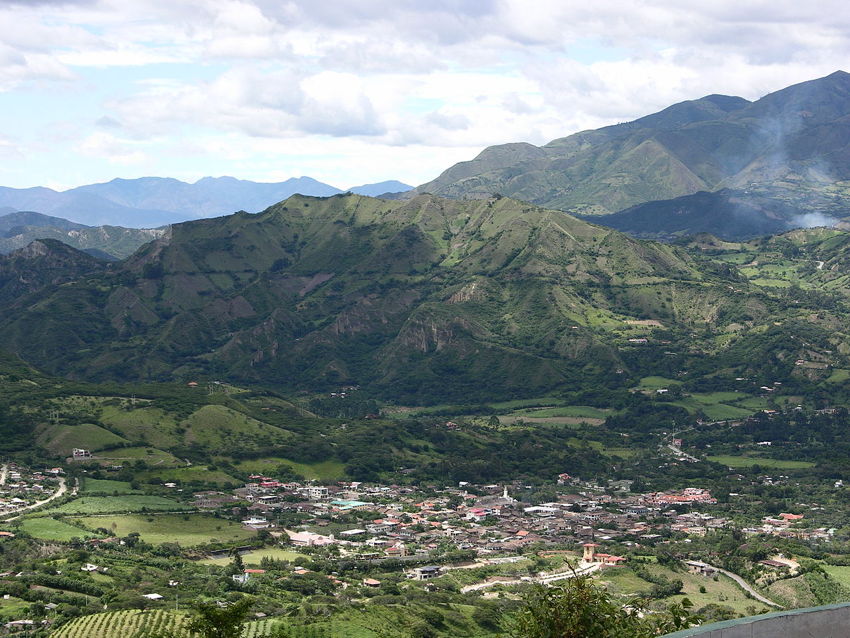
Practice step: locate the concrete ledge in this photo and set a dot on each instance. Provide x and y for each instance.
(828, 621)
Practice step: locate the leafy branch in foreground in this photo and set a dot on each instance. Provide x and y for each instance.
(579, 609)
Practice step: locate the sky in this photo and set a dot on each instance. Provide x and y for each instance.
(360, 91)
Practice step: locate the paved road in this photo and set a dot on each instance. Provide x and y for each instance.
(747, 588)
(59, 492)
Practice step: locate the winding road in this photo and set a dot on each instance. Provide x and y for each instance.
(747, 588)
(59, 492)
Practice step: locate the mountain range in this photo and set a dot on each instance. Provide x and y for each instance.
(149, 202)
(420, 300)
(19, 229)
(791, 146)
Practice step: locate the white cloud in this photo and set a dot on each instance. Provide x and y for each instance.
(389, 77)
(106, 146)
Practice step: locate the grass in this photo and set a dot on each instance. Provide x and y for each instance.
(839, 573)
(12, 608)
(110, 504)
(324, 471)
(254, 558)
(90, 485)
(839, 375)
(564, 411)
(656, 383)
(149, 424)
(220, 428)
(62, 439)
(49, 529)
(749, 461)
(149, 455)
(186, 529)
(195, 473)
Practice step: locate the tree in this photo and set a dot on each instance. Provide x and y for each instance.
(579, 609)
(575, 610)
(213, 621)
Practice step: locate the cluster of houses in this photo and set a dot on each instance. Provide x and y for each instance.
(20, 487)
(398, 521)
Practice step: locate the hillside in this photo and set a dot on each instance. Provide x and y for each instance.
(417, 299)
(728, 214)
(19, 229)
(790, 145)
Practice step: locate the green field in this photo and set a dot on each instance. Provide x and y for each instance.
(152, 456)
(90, 485)
(49, 529)
(254, 558)
(656, 383)
(195, 473)
(622, 581)
(186, 529)
(62, 439)
(149, 424)
(839, 375)
(12, 608)
(839, 573)
(578, 411)
(219, 428)
(109, 504)
(749, 461)
(324, 471)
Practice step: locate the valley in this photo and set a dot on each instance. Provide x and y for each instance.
(619, 360)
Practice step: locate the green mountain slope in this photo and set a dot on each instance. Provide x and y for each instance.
(19, 229)
(791, 142)
(421, 300)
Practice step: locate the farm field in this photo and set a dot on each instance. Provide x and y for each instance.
(121, 624)
(89, 485)
(186, 529)
(749, 461)
(254, 557)
(109, 504)
(49, 529)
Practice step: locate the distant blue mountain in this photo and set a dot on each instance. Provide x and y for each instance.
(155, 201)
(381, 188)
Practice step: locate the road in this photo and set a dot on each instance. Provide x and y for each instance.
(544, 579)
(678, 452)
(59, 492)
(747, 588)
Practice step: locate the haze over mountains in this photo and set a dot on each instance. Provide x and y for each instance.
(149, 202)
(790, 149)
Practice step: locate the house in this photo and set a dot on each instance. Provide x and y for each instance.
(371, 582)
(80, 453)
(700, 568)
(309, 539)
(255, 522)
(425, 573)
(153, 596)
